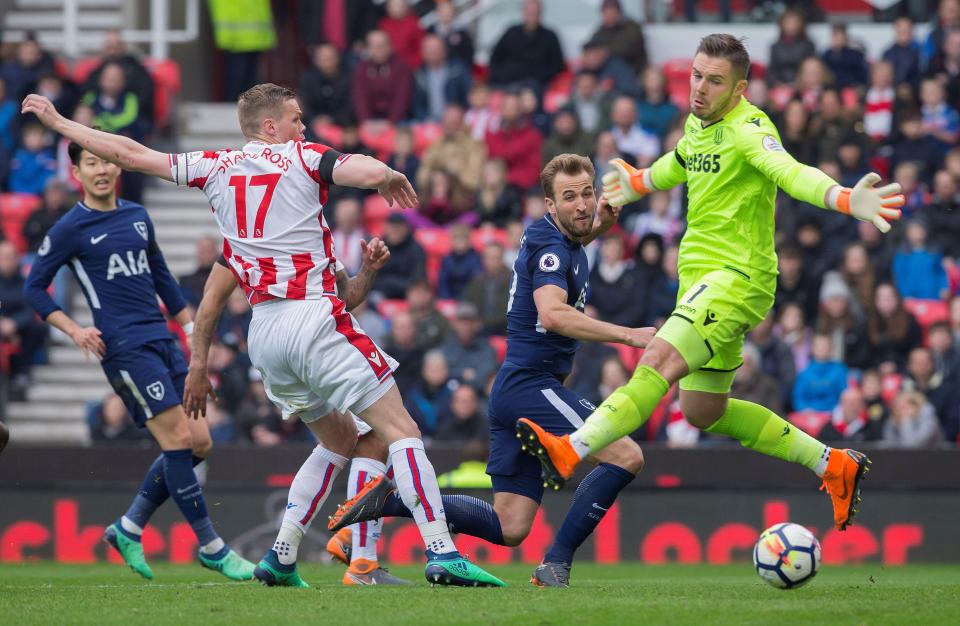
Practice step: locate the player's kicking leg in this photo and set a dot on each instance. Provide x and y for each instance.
(683, 346)
(124, 534)
(170, 429)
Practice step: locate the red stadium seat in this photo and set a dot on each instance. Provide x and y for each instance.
(435, 241)
(166, 82)
(328, 133)
(499, 345)
(629, 355)
(811, 422)
(927, 312)
(448, 308)
(424, 135)
(82, 68)
(390, 308)
(375, 213)
(15, 208)
(7, 350)
(381, 143)
(558, 92)
(482, 235)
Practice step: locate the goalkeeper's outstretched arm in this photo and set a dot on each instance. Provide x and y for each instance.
(624, 183)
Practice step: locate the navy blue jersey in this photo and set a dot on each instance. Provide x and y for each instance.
(115, 257)
(546, 257)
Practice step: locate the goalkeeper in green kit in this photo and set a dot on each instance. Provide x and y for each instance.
(732, 161)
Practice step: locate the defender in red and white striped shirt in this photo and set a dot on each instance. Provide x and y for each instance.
(267, 199)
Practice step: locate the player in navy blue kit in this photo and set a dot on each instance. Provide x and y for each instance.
(111, 248)
(545, 321)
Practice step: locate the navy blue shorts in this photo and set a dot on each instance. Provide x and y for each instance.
(149, 378)
(523, 392)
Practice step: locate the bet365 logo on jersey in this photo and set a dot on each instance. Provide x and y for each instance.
(705, 163)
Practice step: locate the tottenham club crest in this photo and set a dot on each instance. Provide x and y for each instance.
(142, 229)
(549, 262)
(156, 390)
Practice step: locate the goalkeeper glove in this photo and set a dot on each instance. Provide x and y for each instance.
(869, 204)
(624, 183)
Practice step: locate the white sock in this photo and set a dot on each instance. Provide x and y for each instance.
(309, 490)
(127, 524)
(417, 484)
(213, 547)
(822, 463)
(365, 534)
(581, 447)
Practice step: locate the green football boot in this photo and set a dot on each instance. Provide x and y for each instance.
(129, 547)
(271, 572)
(455, 570)
(231, 564)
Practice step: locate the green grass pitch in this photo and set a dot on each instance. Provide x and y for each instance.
(46, 593)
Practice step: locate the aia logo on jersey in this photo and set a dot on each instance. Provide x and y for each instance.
(155, 390)
(141, 228)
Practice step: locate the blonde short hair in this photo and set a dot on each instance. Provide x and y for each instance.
(258, 102)
(569, 164)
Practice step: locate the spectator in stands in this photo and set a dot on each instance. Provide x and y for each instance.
(942, 215)
(348, 233)
(480, 118)
(605, 151)
(458, 40)
(33, 164)
(943, 348)
(893, 331)
(566, 137)
(343, 23)
(112, 423)
(9, 121)
(488, 291)
(22, 72)
(871, 385)
(793, 331)
(498, 201)
(850, 421)
(531, 107)
(243, 31)
(795, 132)
(403, 158)
(663, 289)
(623, 36)
(325, 88)
(462, 419)
(837, 320)
(916, 146)
(534, 207)
(948, 21)
(401, 344)
(879, 102)
(372, 323)
(439, 82)
(116, 109)
(791, 48)
(662, 219)
(517, 142)
(259, 420)
(945, 67)
(776, 358)
(472, 360)
(847, 64)
(235, 322)
(221, 424)
(657, 112)
(857, 272)
(455, 152)
(648, 268)
(940, 120)
(832, 125)
(192, 284)
(817, 257)
(630, 136)
(853, 166)
(614, 73)
(228, 372)
(382, 83)
(459, 266)
(403, 28)
(917, 269)
(431, 393)
(819, 386)
(443, 201)
(690, 10)
(407, 259)
(613, 376)
(591, 104)
(955, 318)
(751, 383)
(942, 393)
(904, 55)
(614, 285)
(812, 78)
(909, 175)
(912, 423)
(56, 202)
(18, 323)
(136, 76)
(879, 250)
(527, 52)
(62, 93)
(432, 326)
(796, 283)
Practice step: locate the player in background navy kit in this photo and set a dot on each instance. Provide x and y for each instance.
(545, 322)
(111, 248)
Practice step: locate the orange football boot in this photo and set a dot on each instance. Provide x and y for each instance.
(340, 546)
(556, 455)
(363, 573)
(845, 470)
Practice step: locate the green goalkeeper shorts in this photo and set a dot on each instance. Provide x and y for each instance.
(715, 310)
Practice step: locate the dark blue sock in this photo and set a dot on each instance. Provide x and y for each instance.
(594, 496)
(465, 514)
(185, 490)
(153, 493)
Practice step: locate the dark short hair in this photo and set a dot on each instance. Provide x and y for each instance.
(723, 46)
(74, 150)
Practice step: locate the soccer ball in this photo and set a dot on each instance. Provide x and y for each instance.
(787, 556)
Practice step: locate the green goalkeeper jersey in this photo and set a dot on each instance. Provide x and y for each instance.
(732, 169)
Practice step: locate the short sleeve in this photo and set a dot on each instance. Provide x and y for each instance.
(549, 266)
(319, 160)
(192, 169)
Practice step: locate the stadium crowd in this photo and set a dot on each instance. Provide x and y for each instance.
(863, 344)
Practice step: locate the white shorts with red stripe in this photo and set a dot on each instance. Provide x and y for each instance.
(314, 358)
